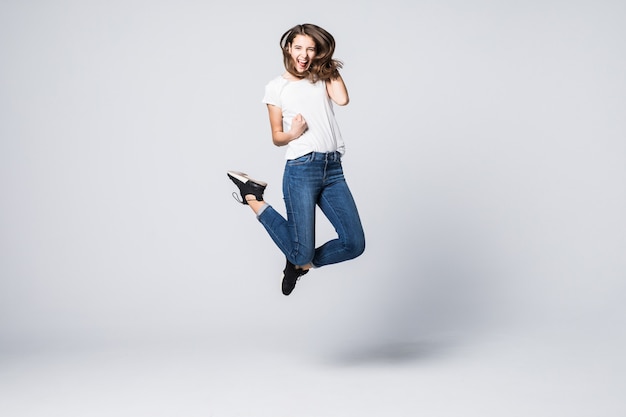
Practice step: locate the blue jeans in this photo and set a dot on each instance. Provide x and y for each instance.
(315, 179)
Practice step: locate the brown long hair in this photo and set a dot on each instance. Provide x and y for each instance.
(323, 66)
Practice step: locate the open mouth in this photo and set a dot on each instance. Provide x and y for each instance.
(302, 64)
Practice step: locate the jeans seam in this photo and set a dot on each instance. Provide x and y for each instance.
(295, 250)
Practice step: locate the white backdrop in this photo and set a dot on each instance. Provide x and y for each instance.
(485, 148)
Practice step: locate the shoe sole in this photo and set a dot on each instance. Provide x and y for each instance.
(243, 178)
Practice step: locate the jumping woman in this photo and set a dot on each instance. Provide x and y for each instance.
(300, 106)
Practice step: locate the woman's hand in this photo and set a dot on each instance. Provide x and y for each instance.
(280, 138)
(298, 126)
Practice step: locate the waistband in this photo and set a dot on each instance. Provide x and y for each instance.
(325, 156)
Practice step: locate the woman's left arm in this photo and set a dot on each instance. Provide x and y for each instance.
(337, 90)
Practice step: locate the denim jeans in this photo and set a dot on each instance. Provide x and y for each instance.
(315, 179)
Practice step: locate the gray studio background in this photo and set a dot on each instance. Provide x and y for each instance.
(485, 149)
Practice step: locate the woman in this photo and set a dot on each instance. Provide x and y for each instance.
(300, 106)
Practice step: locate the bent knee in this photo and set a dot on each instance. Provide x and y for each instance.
(356, 248)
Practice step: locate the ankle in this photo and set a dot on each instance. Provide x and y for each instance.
(256, 206)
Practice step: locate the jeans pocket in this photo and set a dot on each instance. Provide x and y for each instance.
(304, 159)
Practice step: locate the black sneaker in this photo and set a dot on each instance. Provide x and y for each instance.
(247, 186)
(291, 274)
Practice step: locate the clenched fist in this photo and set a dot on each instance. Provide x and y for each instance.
(298, 126)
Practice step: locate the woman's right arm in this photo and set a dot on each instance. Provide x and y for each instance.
(280, 138)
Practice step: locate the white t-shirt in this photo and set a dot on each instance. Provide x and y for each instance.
(312, 101)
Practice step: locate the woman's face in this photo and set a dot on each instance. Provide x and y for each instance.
(302, 51)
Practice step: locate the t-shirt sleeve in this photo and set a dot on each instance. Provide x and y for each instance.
(272, 93)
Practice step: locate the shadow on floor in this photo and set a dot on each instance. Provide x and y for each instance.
(390, 353)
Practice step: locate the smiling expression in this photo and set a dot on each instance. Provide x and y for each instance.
(302, 51)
